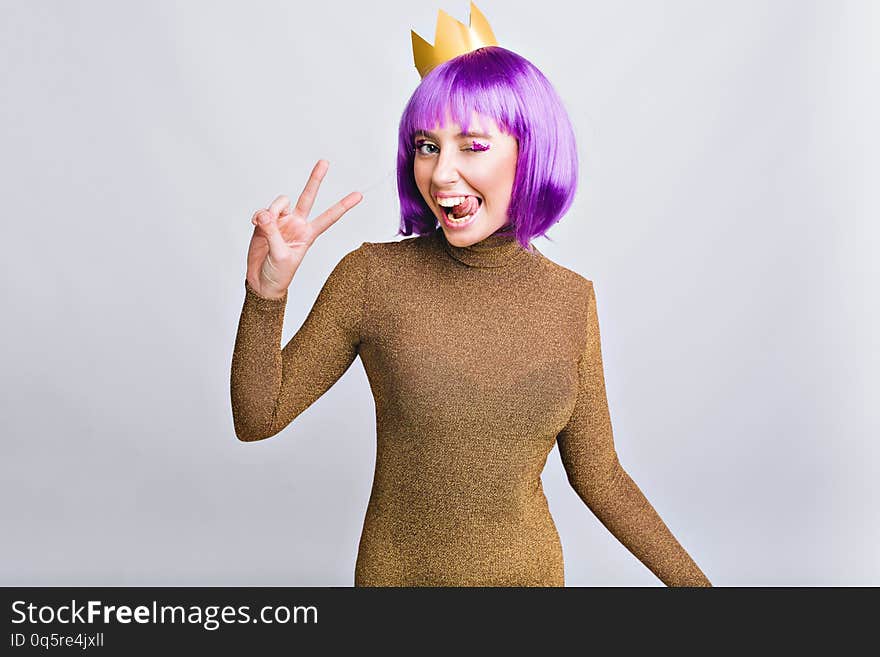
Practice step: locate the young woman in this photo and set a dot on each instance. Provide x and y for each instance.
(481, 353)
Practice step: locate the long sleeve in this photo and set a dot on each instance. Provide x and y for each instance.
(586, 446)
(271, 386)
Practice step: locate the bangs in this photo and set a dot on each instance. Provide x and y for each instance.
(458, 96)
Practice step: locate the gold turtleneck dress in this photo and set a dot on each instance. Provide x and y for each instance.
(480, 359)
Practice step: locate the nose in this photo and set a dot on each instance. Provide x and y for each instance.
(445, 172)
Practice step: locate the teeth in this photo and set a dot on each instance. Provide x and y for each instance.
(451, 201)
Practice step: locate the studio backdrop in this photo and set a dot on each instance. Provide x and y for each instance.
(726, 213)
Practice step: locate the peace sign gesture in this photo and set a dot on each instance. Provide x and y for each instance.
(282, 236)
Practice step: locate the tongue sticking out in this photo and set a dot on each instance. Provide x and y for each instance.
(466, 207)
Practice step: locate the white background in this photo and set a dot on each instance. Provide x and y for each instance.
(727, 215)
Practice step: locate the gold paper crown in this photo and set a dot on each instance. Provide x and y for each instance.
(451, 39)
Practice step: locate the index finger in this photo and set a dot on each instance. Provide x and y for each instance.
(307, 198)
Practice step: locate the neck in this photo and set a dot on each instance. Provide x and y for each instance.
(497, 250)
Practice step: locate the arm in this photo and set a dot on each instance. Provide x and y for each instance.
(586, 446)
(271, 386)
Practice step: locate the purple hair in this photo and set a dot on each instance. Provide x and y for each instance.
(495, 82)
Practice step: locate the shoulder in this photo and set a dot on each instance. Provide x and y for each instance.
(369, 252)
(402, 246)
(384, 255)
(373, 262)
(578, 285)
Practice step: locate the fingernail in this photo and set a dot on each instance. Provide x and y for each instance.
(263, 218)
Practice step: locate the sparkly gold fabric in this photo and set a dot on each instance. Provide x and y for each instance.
(480, 359)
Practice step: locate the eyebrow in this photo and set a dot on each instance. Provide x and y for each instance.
(469, 133)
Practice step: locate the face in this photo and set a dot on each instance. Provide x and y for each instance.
(481, 164)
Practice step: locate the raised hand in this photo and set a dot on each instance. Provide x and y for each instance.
(282, 236)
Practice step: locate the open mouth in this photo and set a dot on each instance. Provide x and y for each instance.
(464, 211)
(467, 213)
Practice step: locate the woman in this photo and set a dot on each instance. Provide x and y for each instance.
(481, 353)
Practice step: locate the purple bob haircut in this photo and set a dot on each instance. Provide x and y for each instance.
(495, 82)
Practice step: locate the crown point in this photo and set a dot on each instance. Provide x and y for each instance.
(451, 39)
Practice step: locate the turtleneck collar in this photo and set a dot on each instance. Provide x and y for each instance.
(496, 250)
